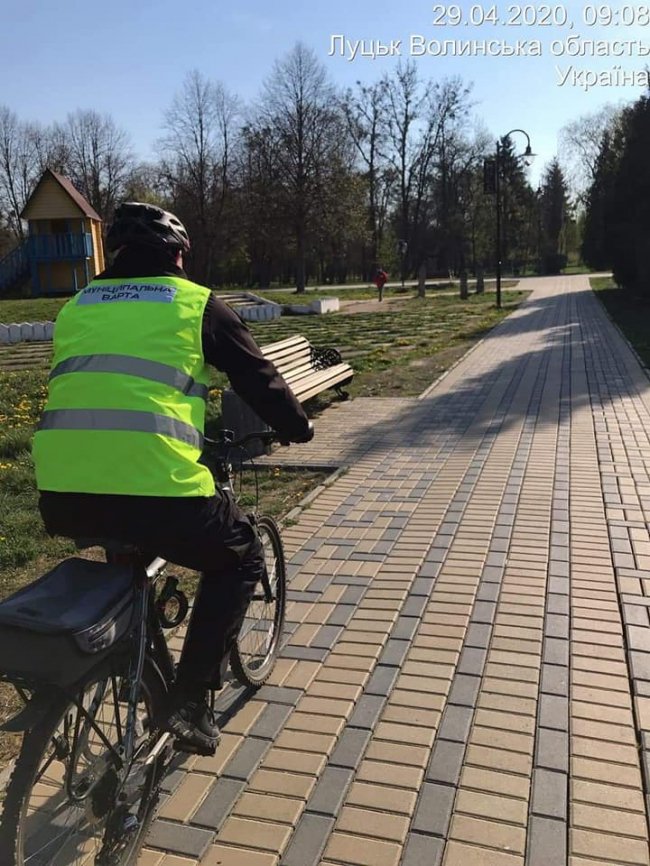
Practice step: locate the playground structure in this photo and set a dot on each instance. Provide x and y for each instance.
(63, 248)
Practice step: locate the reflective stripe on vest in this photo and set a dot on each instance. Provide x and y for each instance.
(131, 366)
(120, 419)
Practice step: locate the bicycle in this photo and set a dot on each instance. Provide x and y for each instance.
(90, 660)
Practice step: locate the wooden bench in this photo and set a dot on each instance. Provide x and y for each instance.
(307, 370)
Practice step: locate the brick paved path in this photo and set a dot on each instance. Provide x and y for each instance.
(467, 677)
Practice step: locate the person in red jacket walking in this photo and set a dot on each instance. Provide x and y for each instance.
(380, 281)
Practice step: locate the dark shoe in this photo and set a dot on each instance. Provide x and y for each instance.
(195, 727)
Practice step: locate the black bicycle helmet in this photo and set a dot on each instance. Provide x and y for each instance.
(144, 224)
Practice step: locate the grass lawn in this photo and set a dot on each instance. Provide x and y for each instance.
(47, 309)
(629, 310)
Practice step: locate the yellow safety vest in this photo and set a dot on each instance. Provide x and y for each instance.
(126, 404)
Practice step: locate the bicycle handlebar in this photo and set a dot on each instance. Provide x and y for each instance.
(227, 438)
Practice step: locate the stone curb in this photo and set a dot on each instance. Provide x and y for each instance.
(26, 332)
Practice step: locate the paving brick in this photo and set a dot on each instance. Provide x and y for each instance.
(179, 839)
(434, 808)
(492, 806)
(378, 825)
(382, 680)
(482, 779)
(225, 855)
(264, 807)
(394, 652)
(446, 762)
(555, 680)
(330, 791)
(405, 628)
(499, 759)
(271, 721)
(255, 834)
(456, 723)
(314, 723)
(362, 851)
(491, 834)
(552, 751)
(367, 711)
(460, 854)
(404, 733)
(547, 841)
(187, 798)
(421, 850)
(153, 858)
(589, 843)
(613, 795)
(341, 615)
(278, 695)
(397, 753)
(218, 804)
(325, 706)
(390, 774)
(274, 781)
(294, 762)
(306, 741)
(609, 820)
(554, 712)
(549, 794)
(305, 653)
(464, 690)
(382, 797)
(342, 691)
(247, 759)
(605, 771)
(308, 841)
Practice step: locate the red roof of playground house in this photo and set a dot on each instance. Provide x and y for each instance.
(84, 206)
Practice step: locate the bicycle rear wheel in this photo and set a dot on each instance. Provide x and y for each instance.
(60, 806)
(253, 655)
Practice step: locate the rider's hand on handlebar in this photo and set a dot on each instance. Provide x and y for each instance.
(306, 437)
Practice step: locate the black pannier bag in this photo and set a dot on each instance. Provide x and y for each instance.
(59, 627)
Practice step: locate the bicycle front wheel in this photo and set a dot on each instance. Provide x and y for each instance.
(61, 807)
(253, 655)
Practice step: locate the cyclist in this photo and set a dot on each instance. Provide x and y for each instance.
(118, 445)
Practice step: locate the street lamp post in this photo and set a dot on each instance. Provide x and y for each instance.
(497, 188)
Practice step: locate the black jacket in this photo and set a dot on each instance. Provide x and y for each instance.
(229, 346)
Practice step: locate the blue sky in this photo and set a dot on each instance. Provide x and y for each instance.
(128, 58)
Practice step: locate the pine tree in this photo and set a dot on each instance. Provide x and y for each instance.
(554, 219)
(596, 244)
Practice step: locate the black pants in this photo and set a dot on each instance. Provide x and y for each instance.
(211, 535)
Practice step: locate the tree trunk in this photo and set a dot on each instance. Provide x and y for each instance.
(300, 261)
(422, 279)
(480, 280)
(464, 293)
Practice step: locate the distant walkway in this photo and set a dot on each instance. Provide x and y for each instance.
(467, 677)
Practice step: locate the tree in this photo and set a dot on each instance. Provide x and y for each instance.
(200, 128)
(19, 168)
(95, 153)
(629, 212)
(580, 143)
(517, 207)
(554, 218)
(419, 118)
(599, 201)
(365, 113)
(301, 117)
